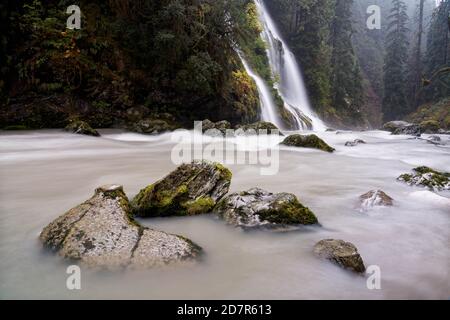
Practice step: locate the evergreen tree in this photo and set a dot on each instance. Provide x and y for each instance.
(438, 54)
(395, 104)
(346, 79)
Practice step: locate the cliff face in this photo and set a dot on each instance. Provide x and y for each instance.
(162, 57)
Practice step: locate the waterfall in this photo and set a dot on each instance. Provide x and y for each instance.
(284, 65)
(268, 107)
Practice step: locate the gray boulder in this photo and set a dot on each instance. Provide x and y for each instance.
(375, 198)
(259, 208)
(340, 252)
(403, 127)
(191, 189)
(100, 233)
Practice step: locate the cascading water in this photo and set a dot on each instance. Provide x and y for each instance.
(268, 108)
(283, 64)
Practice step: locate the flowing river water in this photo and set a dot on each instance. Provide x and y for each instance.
(45, 173)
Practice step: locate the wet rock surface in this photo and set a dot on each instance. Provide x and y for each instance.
(428, 178)
(100, 233)
(309, 141)
(344, 254)
(375, 198)
(191, 189)
(259, 208)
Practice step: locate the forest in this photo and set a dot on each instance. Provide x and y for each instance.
(177, 61)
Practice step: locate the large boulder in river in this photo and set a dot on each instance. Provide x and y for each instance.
(191, 189)
(308, 141)
(375, 198)
(340, 252)
(427, 177)
(259, 208)
(403, 127)
(81, 127)
(100, 233)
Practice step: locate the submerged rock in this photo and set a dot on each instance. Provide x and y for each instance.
(259, 208)
(100, 233)
(375, 198)
(81, 127)
(309, 141)
(354, 143)
(191, 189)
(215, 128)
(152, 126)
(344, 254)
(427, 177)
(403, 127)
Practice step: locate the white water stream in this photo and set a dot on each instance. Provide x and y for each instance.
(45, 173)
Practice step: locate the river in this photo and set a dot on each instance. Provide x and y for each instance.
(45, 173)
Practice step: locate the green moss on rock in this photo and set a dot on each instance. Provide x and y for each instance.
(427, 177)
(309, 141)
(189, 190)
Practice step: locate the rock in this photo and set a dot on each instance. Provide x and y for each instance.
(259, 208)
(257, 127)
(81, 127)
(354, 143)
(152, 126)
(403, 127)
(430, 126)
(427, 177)
(191, 189)
(309, 141)
(442, 131)
(330, 130)
(375, 198)
(100, 233)
(215, 128)
(435, 140)
(344, 254)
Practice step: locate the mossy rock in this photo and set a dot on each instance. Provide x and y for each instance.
(191, 189)
(430, 126)
(309, 141)
(101, 233)
(427, 177)
(81, 127)
(258, 208)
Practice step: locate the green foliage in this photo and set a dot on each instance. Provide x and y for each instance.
(395, 103)
(171, 55)
(438, 54)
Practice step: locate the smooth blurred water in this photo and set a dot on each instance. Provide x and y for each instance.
(45, 173)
